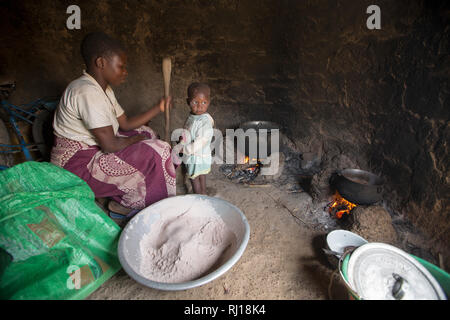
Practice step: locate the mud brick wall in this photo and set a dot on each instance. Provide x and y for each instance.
(377, 97)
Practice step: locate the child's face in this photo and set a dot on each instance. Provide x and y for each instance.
(199, 103)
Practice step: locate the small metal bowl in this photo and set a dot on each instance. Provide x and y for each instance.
(339, 240)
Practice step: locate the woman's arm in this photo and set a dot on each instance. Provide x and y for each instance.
(127, 124)
(109, 143)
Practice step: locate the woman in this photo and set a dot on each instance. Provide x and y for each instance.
(119, 157)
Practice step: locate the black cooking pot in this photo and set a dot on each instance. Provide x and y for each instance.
(358, 186)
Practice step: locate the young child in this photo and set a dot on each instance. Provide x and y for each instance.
(197, 147)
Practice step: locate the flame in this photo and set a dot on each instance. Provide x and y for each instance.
(247, 160)
(341, 205)
(251, 169)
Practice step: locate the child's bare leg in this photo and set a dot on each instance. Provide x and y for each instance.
(196, 185)
(203, 183)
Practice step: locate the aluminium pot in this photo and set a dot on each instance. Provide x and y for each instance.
(379, 271)
(358, 186)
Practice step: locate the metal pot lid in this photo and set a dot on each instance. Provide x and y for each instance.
(378, 271)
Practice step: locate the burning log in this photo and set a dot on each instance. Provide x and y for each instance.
(340, 206)
(245, 172)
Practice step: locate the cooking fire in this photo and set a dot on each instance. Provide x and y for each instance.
(245, 172)
(340, 206)
(254, 164)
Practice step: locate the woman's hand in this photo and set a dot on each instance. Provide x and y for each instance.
(165, 103)
(109, 143)
(138, 138)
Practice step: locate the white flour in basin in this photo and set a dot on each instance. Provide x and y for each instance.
(184, 245)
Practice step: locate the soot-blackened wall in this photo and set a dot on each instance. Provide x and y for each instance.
(379, 97)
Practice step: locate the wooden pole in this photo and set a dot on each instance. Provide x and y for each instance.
(167, 70)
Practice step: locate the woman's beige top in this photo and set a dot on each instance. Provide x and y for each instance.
(84, 106)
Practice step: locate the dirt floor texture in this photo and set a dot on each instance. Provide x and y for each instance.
(283, 259)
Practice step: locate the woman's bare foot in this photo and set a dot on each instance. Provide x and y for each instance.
(118, 208)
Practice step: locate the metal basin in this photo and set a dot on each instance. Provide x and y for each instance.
(129, 249)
